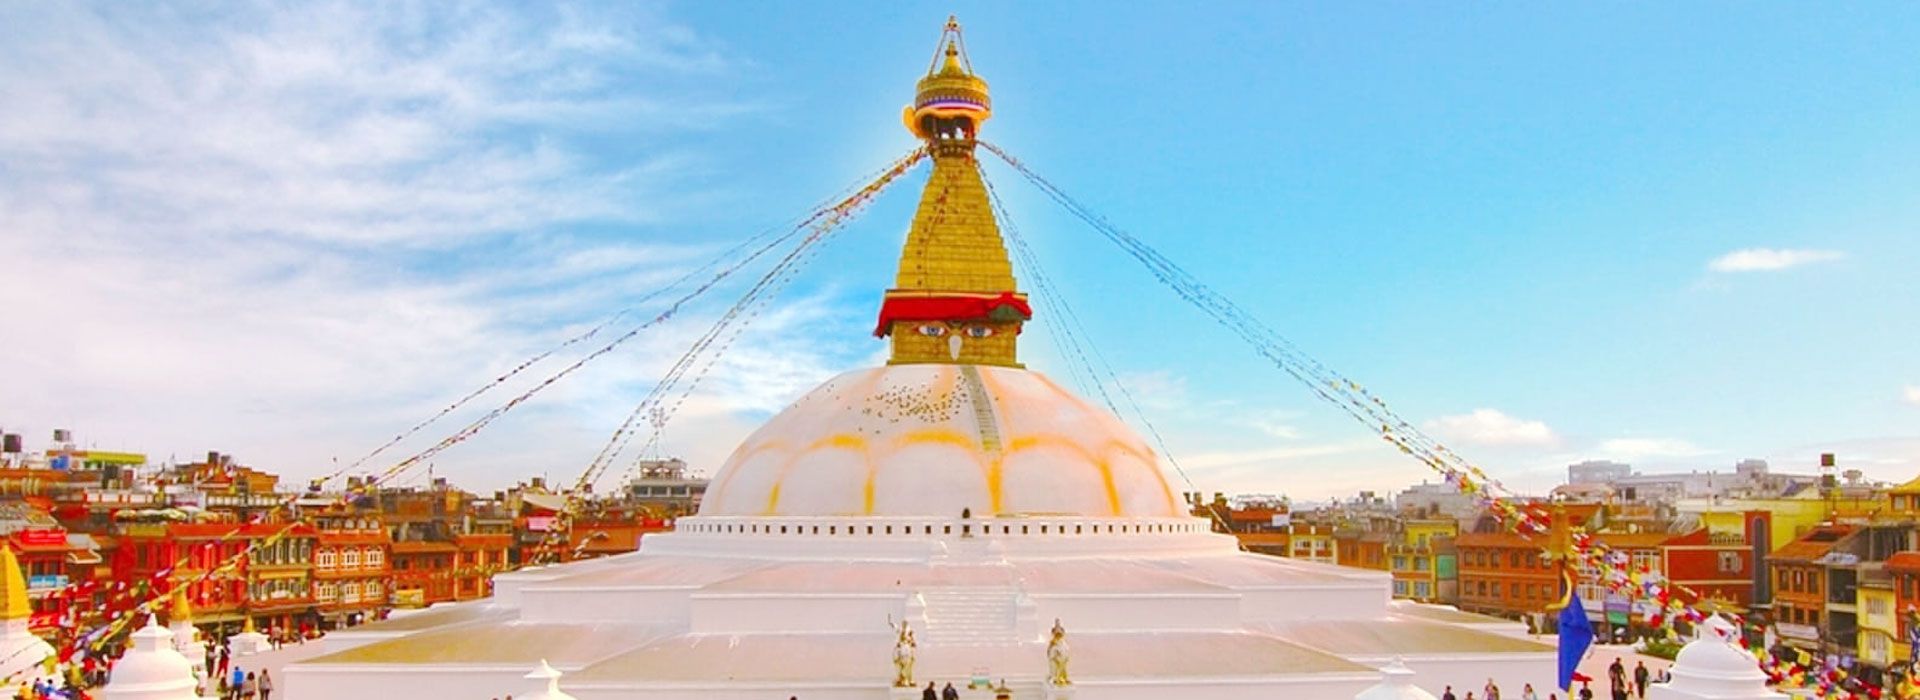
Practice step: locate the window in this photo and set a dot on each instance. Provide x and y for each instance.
(1878, 606)
(374, 556)
(1419, 563)
(350, 592)
(328, 591)
(325, 560)
(1730, 563)
(373, 590)
(1399, 563)
(350, 558)
(1422, 589)
(1400, 588)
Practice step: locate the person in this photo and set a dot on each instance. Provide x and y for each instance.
(930, 693)
(1469, 695)
(1448, 694)
(1492, 691)
(1640, 674)
(1526, 692)
(949, 693)
(224, 691)
(225, 657)
(249, 688)
(266, 685)
(239, 679)
(1586, 690)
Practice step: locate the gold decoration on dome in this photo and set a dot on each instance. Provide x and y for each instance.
(13, 587)
(954, 300)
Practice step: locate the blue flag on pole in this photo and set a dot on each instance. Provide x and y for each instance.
(1576, 634)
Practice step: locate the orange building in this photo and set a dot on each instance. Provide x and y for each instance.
(1800, 586)
(351, 567)
(1361, 550)
(1505, 574)
(480, 556)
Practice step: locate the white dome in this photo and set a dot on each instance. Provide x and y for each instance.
(931, 440)
(152, 670)
(22, 655)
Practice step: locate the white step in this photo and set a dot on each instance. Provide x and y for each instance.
(969, 616)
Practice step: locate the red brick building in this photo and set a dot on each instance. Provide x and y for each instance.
(1506, 574)
(1717, 566)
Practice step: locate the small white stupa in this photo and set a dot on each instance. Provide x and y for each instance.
(1397, 685)
(544, 684)
(152, 670)
(1711, 666)
(22, 655)
(249, 640)
(180, 623)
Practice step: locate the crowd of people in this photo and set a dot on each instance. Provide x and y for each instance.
(1622, 685)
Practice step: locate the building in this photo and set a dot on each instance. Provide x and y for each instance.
(1507, 575)
(1716, 565)
(351, 566)
(976, 507)
(1800, 588)
(1422, 558)
(665, 489)
(1904, 568)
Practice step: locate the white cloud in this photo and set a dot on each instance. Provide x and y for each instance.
(1629, 449)
(1768, 259)
(1913, 395)
(287, 232)
(1492, 428)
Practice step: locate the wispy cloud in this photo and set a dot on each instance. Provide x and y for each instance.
(1492, 428)
(287, 231)
(1769, 259)
(1913, 395)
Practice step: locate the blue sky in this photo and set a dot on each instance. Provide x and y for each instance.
(1672, 235)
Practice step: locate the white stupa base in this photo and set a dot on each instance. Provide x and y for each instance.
(1059, 692)
(246, 643)
(1154, 608)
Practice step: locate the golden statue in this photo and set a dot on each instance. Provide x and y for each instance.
(1058, 656)
(903, 651)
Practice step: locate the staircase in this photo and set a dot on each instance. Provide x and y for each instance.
(969, 616)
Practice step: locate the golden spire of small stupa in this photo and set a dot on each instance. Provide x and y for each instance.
(954, 300)
(13, 586)
(179, 610)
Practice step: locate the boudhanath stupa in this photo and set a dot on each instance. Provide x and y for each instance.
(949, 517)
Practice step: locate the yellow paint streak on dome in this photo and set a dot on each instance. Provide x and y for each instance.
(740, 455)
(1097, 461)
(837, 441)
(944, 436)
(1141, 452)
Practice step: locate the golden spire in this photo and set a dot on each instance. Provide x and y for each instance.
(13, 586)
(180, 611)
(954, 300)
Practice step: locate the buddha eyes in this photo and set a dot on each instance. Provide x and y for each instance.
(938, 330)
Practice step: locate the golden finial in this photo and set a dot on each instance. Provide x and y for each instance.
(14, 584)
(951, 102)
